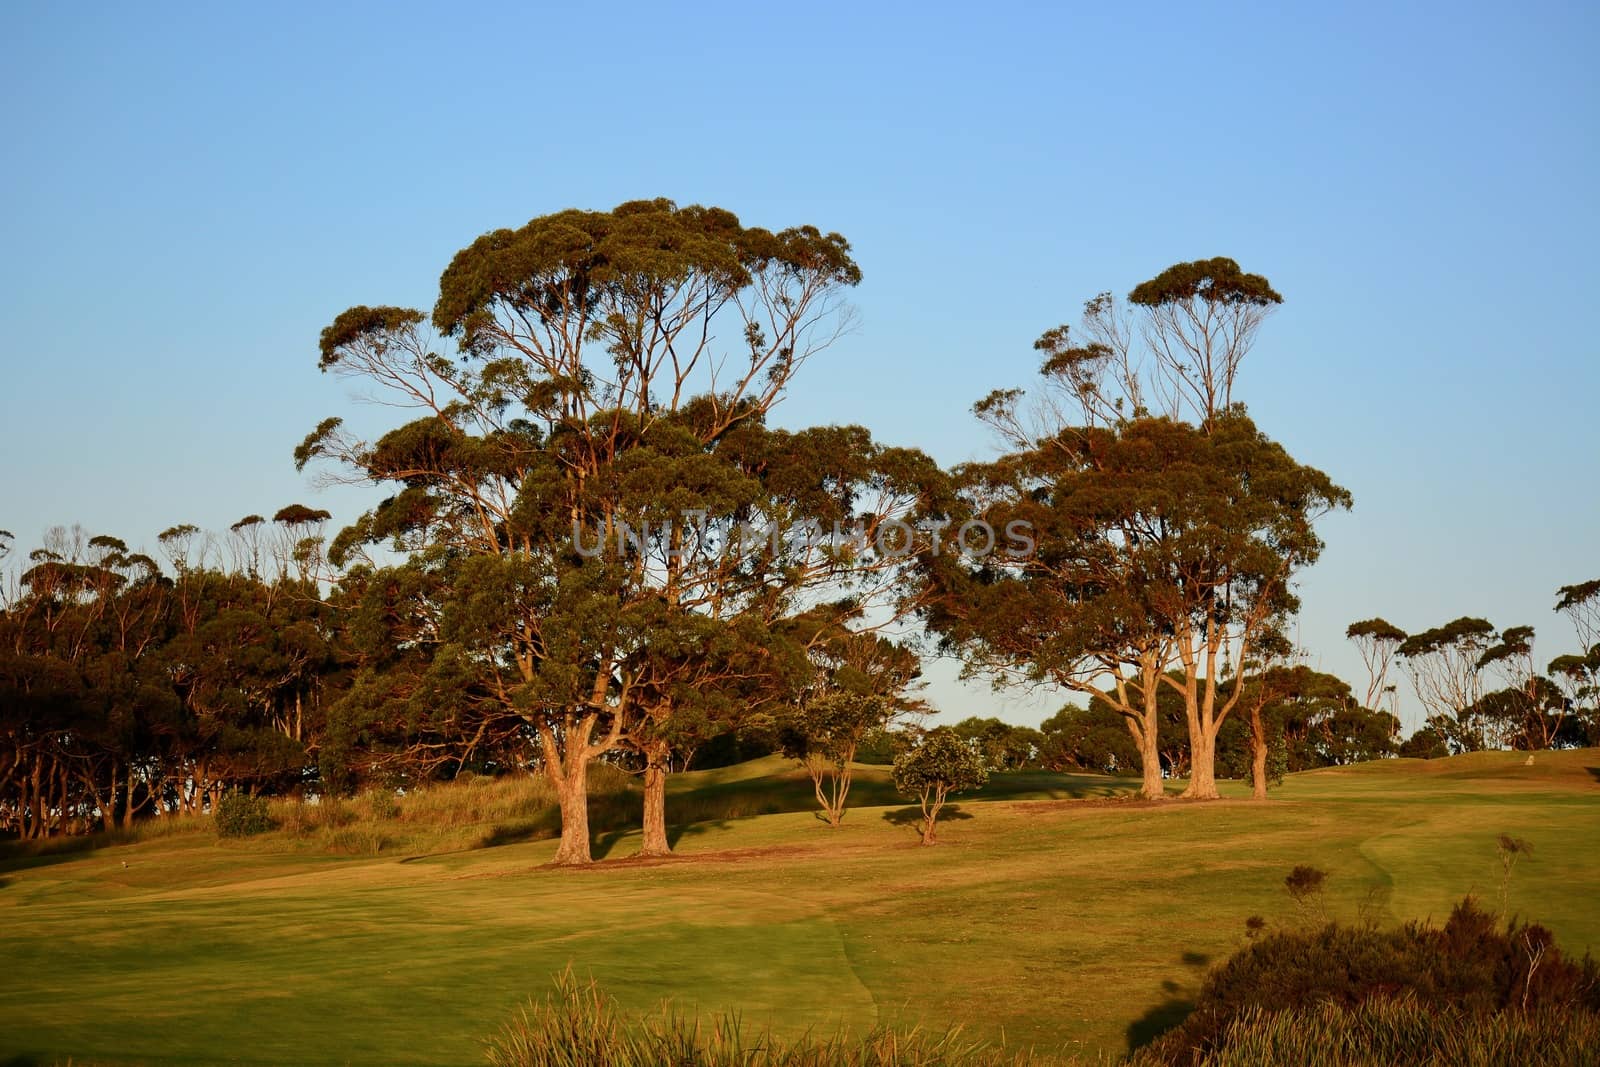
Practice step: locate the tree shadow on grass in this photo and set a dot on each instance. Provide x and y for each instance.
(24, 855)
(1165, 1016)
(539, 828)
(602, 844)
(1170, 1012)
(911, 818)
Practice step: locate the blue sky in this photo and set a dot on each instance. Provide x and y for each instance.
(191, 193)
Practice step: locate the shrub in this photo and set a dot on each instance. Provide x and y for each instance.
(241, 815)
(384, 804)
(1403, 1033)
(1305, 889)
(357, 841)
(939, 764)
(1471, 965)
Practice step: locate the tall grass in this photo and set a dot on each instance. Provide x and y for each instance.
(580, 1025)
(1403, 1033)
(470, 812)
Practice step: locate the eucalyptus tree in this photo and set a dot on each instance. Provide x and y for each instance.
(1166, 548)
(858, 686)
(546, 496)
(1200, 321)
(1527, 711)
(1446, 668)
(1378, 641)
(1578, 674)
(1164, 555)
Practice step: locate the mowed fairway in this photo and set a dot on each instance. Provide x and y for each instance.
(1075, 923)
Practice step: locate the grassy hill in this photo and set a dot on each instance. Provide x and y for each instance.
(1053, 915)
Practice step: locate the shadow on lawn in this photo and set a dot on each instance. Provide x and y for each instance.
(23, 855)
(601, 844)
(1595, 771)
(1170, 1012)
(911, 818)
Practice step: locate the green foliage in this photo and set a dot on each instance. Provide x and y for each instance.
(1376, 630)
(941, 761)
(1005, 746)
(824, 733)
(1142, 527)
(832, 727)
(1214, 281)
(938, 764)
(1425, 743)
(242, 815)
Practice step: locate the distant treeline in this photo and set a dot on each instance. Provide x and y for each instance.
(133, 687)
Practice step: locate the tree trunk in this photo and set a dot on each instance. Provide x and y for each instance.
(129, 809)
(1202, 766)
(37, 807)
(656, 755)
(1258, 756)
(930, 815)
(573, 789)
(1143, 729)
(1153, 788)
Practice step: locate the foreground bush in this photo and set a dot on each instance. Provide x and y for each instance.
(241, 815)
(579, 1025)
(1402, 1033)
(1469, 981)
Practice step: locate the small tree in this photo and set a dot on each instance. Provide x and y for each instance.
(1510, 850)
(1305, 884)
(940, 764)
(824, 735)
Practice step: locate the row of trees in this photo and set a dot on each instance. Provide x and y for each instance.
(1481, 687)
(130, 685)
(593, 543)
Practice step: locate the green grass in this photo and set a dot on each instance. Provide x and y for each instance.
(1041, 920)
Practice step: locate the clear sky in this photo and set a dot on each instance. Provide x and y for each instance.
(191, 193)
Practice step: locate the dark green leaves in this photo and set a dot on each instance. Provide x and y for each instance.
(1217, 281)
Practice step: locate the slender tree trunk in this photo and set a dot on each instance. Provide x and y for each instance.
(1145, 737)
(930, 815)
(108, 809)
(1258, 756)
(129, 808)
(1152, 788)
(37, 806)
(656, 755)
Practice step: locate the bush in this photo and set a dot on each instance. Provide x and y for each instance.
(241, 815)
(1402, 1033)
(384, 804)
(1471, 965)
